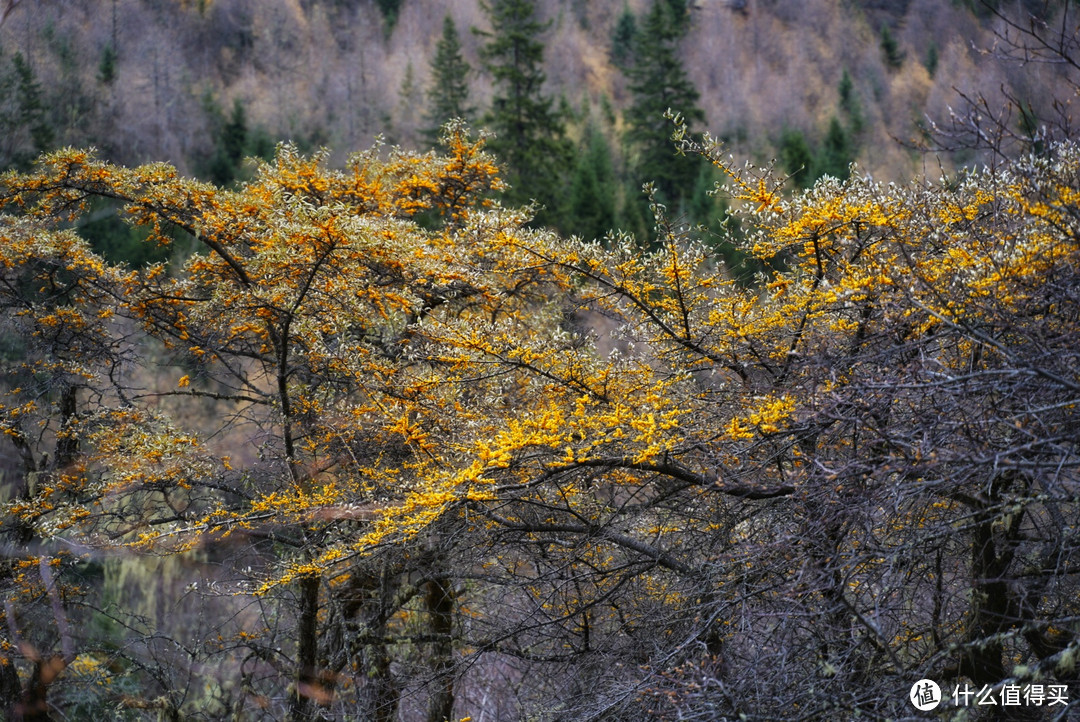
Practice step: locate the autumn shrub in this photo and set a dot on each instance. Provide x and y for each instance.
(804, 491)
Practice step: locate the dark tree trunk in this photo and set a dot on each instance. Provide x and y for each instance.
(307, 684)
(439, 600)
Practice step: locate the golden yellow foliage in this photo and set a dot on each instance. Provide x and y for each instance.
(390, 354)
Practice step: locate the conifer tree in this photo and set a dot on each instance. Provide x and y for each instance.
(623, 38)
(234, 140)
(529, 132)
(107, 65)
(390, 10)
(404, 127)
(797, 158)
(680, 13)
(894, 57)
(849, 103)
(658, 82)
(837, 152)
(932, 59)
(448, 95)
(24, 128)
(32, 108)
(230, 143)
(591, 212)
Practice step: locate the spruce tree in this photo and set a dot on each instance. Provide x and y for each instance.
(623, 38)
(591, 210)
(448, 96)
(1030, 129)
(32, 108)
(24, 127)
(234, 140)
(107, 66)
(932, 59)
(403, 129)
(529, 138)
(658, 82)
(390, 10)
(849, 104)
(894, 57)
(797, 158)
(680, 13)
(837, 152)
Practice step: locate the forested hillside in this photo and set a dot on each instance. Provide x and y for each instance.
(817, 84)
(600, 388)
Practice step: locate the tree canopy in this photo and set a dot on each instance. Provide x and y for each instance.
(529, 134)
(659, 84)
(448, 95)
(420, 453)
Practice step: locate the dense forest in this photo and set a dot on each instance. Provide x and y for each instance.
(815, 85)
(539, 360)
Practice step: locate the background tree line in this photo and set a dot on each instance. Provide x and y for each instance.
(189, 79)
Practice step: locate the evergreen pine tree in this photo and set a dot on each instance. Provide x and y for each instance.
(591, 210)
(797, 158)
(24, 127)
(894, 57)
(390, 10)
(849, 103)
(1030, 129)
(623, 38)
(529, 133)
(32, 110)
(234, 134)
(403, 128)
(233, 141)
(448, 96)
(846, 89)
(107, 65)
(837, 152)
(658, 82)
(932, 59)
(680, 13)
